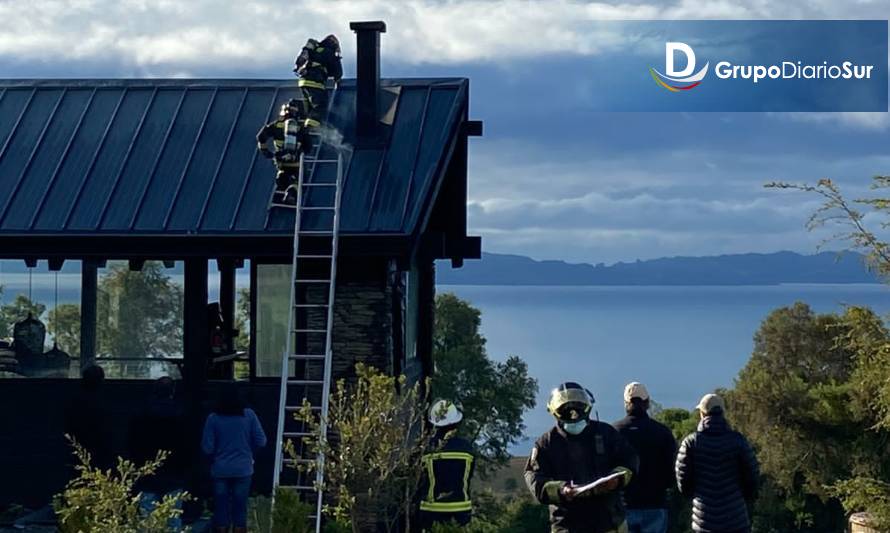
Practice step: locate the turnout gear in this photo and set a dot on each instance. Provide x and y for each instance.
(317, 62)
(444, 490)
(290, 138)
(561, 459)
(444, 413)
(717, 468)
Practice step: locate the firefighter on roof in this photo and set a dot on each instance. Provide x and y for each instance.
(317, 62)
(575, 452)
(449, 463)
(290, 138)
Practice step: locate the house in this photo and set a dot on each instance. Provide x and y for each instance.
(155, 170)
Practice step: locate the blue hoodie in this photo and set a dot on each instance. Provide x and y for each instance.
(230, 442)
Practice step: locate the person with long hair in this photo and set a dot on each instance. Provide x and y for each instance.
(231, 435)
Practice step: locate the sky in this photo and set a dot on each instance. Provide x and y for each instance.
(553, 177)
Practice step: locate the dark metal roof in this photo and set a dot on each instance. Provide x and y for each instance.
(165, 157)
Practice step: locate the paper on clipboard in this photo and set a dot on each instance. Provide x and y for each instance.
(599, 482)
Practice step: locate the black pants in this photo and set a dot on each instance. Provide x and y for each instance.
(427, 519)
(315, 104)
(286, 177)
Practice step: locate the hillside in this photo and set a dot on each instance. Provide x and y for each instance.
(739, 269)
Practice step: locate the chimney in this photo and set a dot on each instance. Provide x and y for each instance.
(367, 74)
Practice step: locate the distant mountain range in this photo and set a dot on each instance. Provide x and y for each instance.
(738, 269)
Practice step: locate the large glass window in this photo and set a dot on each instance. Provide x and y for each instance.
(272, 300)
(39, 320)
(139, 320)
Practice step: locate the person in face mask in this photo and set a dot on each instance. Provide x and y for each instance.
(575, 452)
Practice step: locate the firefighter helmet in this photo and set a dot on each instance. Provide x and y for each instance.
(570, 402)
(444, 413)
(291, 109)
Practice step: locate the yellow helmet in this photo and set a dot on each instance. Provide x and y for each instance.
(570, 402)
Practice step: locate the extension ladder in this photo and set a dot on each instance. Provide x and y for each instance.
(306, 362)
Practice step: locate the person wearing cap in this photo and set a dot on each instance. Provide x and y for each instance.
(646, 495)
(716, 467)
(448, 466)
(575, 452)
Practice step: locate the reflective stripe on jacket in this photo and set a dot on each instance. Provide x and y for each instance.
(448, 470)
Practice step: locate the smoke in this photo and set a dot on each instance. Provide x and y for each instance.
(331, 136)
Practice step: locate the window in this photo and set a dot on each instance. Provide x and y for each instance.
(139, 320)
(273, 298)
(39, 320)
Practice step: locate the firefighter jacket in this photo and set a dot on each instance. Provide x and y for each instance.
(275, 131)
(448, 470)
(317, 62)
(558, 459)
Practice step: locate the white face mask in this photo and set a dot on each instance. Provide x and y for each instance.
(574, 428)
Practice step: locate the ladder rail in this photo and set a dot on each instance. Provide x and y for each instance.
(289, 341)
(328, 362)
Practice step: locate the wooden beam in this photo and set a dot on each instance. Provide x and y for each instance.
(89, 277)
(195, 328)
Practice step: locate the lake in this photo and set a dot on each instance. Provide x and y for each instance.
(682, 342)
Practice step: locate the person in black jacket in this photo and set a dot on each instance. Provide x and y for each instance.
(449, 462)
(717, 468)
(160, 426)
(645, 496)
(575, 452)
(317, 62)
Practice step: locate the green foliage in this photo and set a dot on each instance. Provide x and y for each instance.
(18, 310)
(242, 319)
(372, 466)
(680, 421)
(140, 313)
(290, 515)
(494, 395)
(517, 514)
(98, 501)
(866, 493)
(63, 322)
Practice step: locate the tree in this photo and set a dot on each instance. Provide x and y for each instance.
(242, 320)
(866, 487)
(795, 401)
(140, 313)
(17, 310)
(494, 395)
(63, 322)
(372, 467)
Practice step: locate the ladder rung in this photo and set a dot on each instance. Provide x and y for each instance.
(297, 434)
(298, 487)
(320, 160)
(316, 232)
(305, 382)
(300, 357)
(317, 208)
(300, 408)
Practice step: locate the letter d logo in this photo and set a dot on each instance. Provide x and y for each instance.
(682, 80)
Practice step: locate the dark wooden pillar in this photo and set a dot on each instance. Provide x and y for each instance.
(426, 313)
(227, 290)
(196, 335)
(89, 289)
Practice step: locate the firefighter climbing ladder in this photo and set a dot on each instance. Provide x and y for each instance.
(308, 346)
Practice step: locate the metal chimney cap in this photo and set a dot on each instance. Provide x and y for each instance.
(372, 25)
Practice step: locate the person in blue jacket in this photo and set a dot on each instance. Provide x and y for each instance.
(231, 435)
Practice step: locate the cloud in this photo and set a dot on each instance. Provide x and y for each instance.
(864, 121)
(166, 36)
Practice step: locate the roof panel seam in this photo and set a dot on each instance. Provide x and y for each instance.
(15, 126)
(86, 176)
(426, 106)
(154, 166)
(383, 160)
(188, 161)
(222, 157)
(52, 179)
(30, 160)
(252, 164)
(126, 160)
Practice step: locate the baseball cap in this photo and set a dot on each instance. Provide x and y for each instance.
(710, 403)
(635, 390)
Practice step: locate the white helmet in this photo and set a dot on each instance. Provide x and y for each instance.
(445, 413)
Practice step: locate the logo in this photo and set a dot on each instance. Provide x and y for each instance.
(676, 81)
